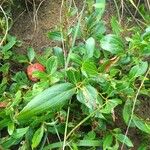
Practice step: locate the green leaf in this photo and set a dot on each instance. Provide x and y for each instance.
(15, 138)
(37, 137)
(20, 132)
(89, 143)
(89, 68)
(5, 68)
(58, 52)
(107, 141)
(146, 34)
(115, 26)
(138, 70)
(76, 58)
(141, 124)
(55, 35)
(11, 42)
(50, 99)
(73, 75)
(4, 123)
(21, 78)
(80, 143)
(21, 58)
(110, 105)
(51, 65)
(11, 128)
(122, 138)
(127, 111)
(90, 46)
(17, 98)
(90, 136)
(112, 44)
(88, 95)
(31, 54)
(143, 146)
(99, 7)
(40, 75)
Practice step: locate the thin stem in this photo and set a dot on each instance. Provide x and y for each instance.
(133, 108)
(61, 28)
(122, 9)
(132, 2)
(136, 20)
(137, 7)
(7, 26)
(67, 119)
(148, 4)
(117, 9)
(57, 133)
(75, 36)
(85, 119)
(36, 11)
(44, 141)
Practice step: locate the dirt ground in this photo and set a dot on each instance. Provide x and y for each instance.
(24, 25)
(48, 17)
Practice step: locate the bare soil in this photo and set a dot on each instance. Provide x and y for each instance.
(24, 24)
(48, 18)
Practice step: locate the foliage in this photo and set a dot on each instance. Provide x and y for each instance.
(87, 92)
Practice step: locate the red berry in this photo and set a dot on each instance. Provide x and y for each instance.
(32, 68)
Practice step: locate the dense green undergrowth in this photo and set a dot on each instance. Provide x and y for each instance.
(87, 97)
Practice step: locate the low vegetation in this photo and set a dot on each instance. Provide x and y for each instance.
(82, 94)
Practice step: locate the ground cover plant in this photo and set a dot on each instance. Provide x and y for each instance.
(83, 93)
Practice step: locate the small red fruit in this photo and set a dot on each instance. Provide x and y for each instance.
(32, 68)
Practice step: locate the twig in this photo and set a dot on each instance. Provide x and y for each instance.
(7, 26)
(137, 7)
(122, 9)
(132, 2)
(28, 9)
(136, 20)
(19, 16)
(36, 11)
(148, 4)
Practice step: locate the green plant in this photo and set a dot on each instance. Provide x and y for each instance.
(86, 82)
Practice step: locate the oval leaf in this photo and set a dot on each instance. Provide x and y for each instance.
(90, 46)
(11, 128)
(112, 44)
(138, 70)
(58, 52)
(88, 96)
(31, 54)
(15, 138)
(141, 124)
(110, 105)
(124, 139)
(107, 141)
(89, 68)
(49, 99)
(51, 65)
(37, 137)
(55, 35)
